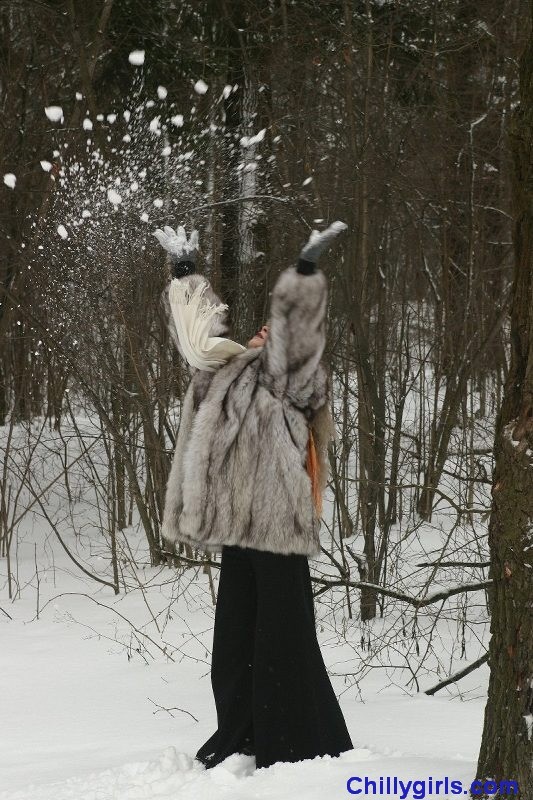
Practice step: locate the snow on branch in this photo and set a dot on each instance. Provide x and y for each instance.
(416, 602)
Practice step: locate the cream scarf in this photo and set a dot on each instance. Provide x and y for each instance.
(192, 314)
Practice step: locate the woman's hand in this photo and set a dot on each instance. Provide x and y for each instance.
(182, 251)
(317, 243)
(176, 243)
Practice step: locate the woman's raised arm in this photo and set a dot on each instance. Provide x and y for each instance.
(297, 332)
(188, 288)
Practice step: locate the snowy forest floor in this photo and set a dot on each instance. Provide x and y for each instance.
(108, 697)
(82, 720)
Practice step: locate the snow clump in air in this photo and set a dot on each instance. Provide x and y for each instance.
(114, 197)
(54, 113)
(200, 87)
(10, 180)
(248, 141)
(136, 57)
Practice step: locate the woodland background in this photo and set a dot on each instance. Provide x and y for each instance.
(256, 122)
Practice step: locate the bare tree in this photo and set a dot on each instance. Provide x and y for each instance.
(507, 744)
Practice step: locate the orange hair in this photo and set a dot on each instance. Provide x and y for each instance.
(313, 470)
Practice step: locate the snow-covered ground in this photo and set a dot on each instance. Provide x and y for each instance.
(83, 713)
(108, 697)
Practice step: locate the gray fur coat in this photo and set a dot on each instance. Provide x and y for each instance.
(238, 475)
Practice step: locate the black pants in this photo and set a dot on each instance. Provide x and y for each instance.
(272, 693)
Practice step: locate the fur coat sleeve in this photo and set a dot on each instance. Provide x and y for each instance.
(297, 336)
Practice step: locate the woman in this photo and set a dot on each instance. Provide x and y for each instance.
(247, 475)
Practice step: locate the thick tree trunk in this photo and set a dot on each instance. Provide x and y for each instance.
(507, 744)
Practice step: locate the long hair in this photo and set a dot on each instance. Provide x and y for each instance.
(321, 432)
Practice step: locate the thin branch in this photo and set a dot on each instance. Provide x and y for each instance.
(458, 675)
(168, 710)
(193, 562)
(470, 564)
(67, 551)
(114, 610)
(328, 584)
(412, 601)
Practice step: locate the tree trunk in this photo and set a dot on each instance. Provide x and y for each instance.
(507, 744)
(229, 257)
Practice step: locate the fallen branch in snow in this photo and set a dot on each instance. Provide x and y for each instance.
(406, 598)
(458, 675)
(5, 612)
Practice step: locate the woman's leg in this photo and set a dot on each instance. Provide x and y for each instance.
(232, 658)
(296, 713)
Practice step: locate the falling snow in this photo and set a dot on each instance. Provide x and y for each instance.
(248, 141)
(54, 113)
(200, 87)
(136, 57)
(114, 197)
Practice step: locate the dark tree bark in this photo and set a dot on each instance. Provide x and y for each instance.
(234, 23)
(507, 744)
